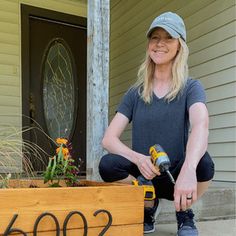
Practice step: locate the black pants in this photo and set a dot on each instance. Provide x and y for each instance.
(113, 167)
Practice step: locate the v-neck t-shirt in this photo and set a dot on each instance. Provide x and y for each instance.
(162, 122)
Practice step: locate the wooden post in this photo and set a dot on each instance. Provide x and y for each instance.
(97, 82)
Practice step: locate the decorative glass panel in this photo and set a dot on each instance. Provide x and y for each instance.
(58, 91)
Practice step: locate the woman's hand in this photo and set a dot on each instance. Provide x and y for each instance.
(185, 192)
(145, 166)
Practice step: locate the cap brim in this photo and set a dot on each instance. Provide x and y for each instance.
(172, 32)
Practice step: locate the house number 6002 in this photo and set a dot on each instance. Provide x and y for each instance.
(10, 230)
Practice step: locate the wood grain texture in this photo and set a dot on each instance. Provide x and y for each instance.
(124, 202)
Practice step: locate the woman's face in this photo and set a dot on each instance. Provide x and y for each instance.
(162, 48)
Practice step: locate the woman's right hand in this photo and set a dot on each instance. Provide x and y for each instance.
(147, 169)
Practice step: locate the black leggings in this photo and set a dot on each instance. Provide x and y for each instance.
(113, 167)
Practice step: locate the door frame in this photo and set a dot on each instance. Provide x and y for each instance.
(50, 15)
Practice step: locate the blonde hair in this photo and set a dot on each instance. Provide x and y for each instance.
(179, 75)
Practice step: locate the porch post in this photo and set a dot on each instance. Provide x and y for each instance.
(97, 82)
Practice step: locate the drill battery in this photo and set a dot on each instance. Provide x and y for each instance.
(148, 188)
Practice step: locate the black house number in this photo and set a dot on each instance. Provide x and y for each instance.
(10, 228)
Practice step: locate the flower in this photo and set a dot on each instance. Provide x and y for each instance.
(61, 166)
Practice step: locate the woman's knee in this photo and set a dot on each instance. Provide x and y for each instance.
(105, 167)
(205, 168)
(113, 167)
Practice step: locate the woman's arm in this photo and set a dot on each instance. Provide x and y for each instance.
(186, 183)
(111, 142)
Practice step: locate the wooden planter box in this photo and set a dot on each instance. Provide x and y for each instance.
(21, 208)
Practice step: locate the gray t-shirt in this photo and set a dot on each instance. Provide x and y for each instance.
(161, 122)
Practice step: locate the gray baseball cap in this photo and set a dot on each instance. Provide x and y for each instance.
(171, 22)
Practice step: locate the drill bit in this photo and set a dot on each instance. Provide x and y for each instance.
(170, 176)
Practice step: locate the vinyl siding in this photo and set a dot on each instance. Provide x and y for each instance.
(211, 29)
(10, 54)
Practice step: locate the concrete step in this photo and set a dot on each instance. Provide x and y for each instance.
(217, 203)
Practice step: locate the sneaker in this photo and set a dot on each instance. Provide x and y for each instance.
(150, 215)
(186, 226)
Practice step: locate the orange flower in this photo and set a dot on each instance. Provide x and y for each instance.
(65, 152)
(61, 141)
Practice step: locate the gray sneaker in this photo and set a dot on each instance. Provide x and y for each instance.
(150, 215)
(186, 226)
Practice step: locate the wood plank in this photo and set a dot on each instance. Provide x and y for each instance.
(212, 23)
(118, 78)
(212, 37)
(212, 52)
(9, 90)
(8, 16)
(9, 59)
(219, 78)
(115, 99)
(222, 92)
(9, 6)
(225, 163)
(8, 120)
(225, 176)
(124, 230)
(207, 12)
(9, 49)
(222, 150)
(9, 70)
(9, 38)
(226, 105)
(98, 80)
(218, 64)
(9, 80)
(222, 120)
(10, 101)
(222, 135)
(60, 201)
(10, 111)
(9, 28)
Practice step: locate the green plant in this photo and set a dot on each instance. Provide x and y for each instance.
(61, 166)
(15, 155)
(4, 180)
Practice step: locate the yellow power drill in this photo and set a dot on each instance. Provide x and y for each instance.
(161, 160)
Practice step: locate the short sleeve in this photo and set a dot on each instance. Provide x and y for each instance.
(195, 93)
(126, 105)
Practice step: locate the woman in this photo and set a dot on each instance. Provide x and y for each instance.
(163, 105)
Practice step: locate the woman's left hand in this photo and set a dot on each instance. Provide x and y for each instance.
(185, 192)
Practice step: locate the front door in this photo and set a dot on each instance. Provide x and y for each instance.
(54, 97)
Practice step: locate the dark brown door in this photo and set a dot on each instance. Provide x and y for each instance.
(56, 91)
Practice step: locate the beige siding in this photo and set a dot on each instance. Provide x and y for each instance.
(211, 29)
(10, 53)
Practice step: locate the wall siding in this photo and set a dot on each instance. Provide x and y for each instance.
(211, 28)
(10, 54)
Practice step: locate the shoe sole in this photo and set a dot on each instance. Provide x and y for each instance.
(150, 231)
(157, 212)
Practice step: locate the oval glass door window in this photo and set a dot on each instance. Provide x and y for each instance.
(58, 90)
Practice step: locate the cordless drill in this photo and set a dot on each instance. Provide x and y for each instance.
(161, 160)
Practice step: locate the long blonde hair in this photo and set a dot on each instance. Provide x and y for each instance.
(179, 75)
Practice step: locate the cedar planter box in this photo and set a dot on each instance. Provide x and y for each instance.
(39, 209)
